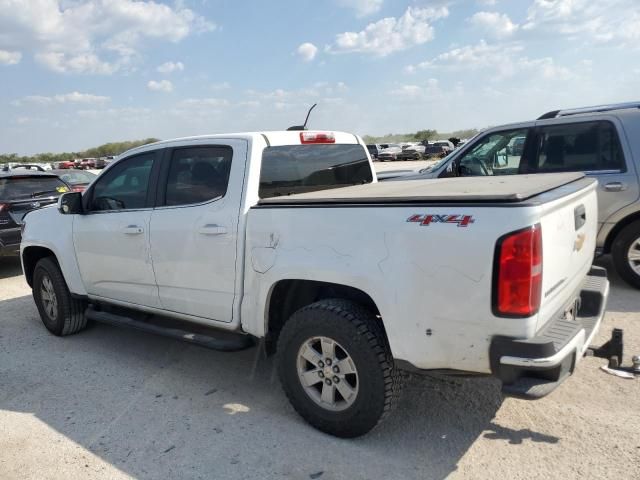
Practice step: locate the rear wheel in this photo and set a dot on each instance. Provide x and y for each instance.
(626, 254)
(336, 368)
(60, 312)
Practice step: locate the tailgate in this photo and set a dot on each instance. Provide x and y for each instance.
(569, 228)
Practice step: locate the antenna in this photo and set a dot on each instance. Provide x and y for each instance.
(303, 127)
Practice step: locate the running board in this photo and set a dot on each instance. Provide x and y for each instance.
(217, 340)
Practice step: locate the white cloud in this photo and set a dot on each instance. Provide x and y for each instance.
(170, 67)
(9, 58)
(502, 60)
(586, 20)
(307, 51)
(73, 97)
(498, 25)
(126, 114)
(220, 86)
(160, 86)
(391, 34)
(301, 95)
(204, 102)
(82, 63)
(430, 90)
(362, 7)
(93, 36)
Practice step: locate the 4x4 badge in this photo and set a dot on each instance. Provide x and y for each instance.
(427, 219)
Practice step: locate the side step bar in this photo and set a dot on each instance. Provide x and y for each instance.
(217, 340)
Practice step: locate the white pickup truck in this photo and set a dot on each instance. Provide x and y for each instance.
(287, 237)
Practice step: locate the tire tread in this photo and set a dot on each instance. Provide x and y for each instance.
(368, 328)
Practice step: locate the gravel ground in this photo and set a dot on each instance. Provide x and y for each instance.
(112, 403)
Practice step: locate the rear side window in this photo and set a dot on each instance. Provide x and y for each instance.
(293, 169)
(588, 146)
(198, 174)
(15, 188)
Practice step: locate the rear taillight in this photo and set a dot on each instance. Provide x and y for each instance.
(317, 137)
(78, 189)
(518, 273)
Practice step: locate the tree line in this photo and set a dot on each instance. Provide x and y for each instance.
(107, 150)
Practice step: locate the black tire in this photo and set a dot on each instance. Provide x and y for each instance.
(357, 330)
(66, 316)
(620, 249)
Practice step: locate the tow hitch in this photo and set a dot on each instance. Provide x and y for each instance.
(612, 350)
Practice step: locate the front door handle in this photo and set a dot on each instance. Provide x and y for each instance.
(133, 230)
(212, 229)
(615, 187)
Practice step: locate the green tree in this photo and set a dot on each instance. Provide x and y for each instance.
(422, 135)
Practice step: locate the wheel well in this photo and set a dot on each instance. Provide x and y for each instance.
(30, 257)
(618, 228)
(288, 296)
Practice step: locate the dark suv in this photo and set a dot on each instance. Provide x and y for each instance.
(20, 192)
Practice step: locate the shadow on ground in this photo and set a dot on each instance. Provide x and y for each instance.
(152, 407)
(158, 408)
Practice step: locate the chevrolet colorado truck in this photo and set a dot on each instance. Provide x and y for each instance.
(288, 238)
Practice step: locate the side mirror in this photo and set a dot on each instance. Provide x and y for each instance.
(70, 203)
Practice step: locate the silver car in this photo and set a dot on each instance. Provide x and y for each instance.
(603, 142)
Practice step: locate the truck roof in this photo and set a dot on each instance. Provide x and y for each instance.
(507, 188)
(272, 138)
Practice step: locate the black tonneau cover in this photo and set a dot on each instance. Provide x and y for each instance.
(496, 189)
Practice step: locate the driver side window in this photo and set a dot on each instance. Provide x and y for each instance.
(125, 186)
(499, 153)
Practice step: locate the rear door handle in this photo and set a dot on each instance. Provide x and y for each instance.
(212, 229)
(615, 187)
(133, 230)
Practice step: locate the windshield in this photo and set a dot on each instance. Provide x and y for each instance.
(438, 164)
(290, 169)
(15, 188)
(444, 160)
(75, 177)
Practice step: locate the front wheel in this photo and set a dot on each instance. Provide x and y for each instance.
(336, 368)
(60, 312)
(626, 254)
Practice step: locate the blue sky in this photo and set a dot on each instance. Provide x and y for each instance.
(75, 74)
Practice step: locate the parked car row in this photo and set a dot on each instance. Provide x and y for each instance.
(391, 152)
(85, 163)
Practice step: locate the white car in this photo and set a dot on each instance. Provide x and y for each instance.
(390, 153)
(287, 238)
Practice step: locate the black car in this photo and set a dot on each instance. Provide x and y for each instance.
(20, 192)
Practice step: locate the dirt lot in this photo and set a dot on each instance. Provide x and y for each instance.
(112, 403)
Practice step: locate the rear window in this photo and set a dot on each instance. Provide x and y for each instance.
(14, 188)
(293, 169)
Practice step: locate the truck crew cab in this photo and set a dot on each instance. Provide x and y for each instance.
(288, 238)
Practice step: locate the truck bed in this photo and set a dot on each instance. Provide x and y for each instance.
(497, 189)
